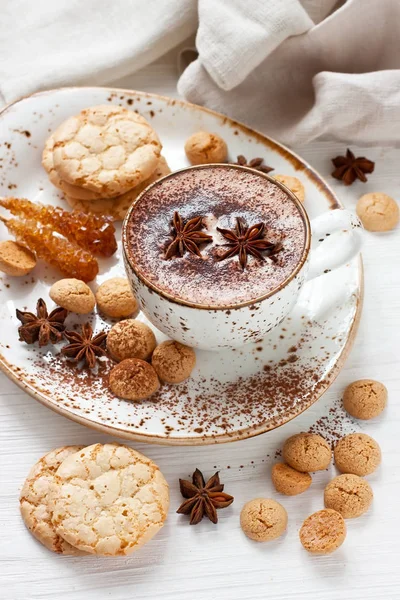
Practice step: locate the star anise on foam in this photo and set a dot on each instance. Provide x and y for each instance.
(186, 236)
(254, 163)
(245, 240)
(43, 327)
(349, 168)
(203, 498)
(85, 346)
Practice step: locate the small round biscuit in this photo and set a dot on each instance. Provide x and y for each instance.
(173, 361)
(263, 519)
(307, 452)
(37, 498)
(115, 299)
(118, 207)
(378, 211)
(288, 481)
(111, 500)
(323, 532)
(73, 191)
(365, 398)
(133, 379)
(349, 494)
(74, 295)
(107, 149)
(15, 259)
(357, 453)
(131, 339)
(294, 184)
(204, 148)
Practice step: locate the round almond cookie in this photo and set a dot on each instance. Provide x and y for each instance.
(37, 498)
(357, 453)
(111, 500)
(365, 398)
(107, 149)
(349, 494)
(294, 184)
(131, 339)
(133, 379)
(323, 532)
(263, 519)
(288, 481)
(307, 452)
(118, 207)
(71, 190)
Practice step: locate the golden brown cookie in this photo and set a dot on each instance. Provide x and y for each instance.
(173, 361)
(133, 379)
(288, 481)
(323, 532)
(307, 452)
(118, 207)
(204, 148)
(131, 339)
(357, 453)
(16, 260)
(378, 211)
(74, 295)
(365, 398)
(263, 519)
(349, 494)
(115, 299)
(106, 149)
(111, 500)
(74, 191)
(37, 499)
(294, 184)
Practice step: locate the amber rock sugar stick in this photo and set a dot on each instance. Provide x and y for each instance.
(56, 251)
(94, 233)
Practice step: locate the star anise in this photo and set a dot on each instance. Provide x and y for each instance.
(186, 236)
(245, 240)
(203, 498)
(349, 168)
(83, 346)
(47, 328)
(254, 163)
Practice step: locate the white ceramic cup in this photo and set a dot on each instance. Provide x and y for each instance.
(216, 328)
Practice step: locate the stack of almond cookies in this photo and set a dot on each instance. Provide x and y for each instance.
(105, 499)
(103, 158)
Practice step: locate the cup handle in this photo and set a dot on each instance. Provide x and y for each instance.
(337, 237)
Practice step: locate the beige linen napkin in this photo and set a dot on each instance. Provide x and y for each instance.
(339, 79)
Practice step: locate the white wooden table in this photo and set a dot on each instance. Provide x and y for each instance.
(210, 562)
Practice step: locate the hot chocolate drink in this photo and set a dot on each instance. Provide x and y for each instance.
(215, 236)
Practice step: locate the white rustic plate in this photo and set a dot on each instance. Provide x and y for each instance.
(232, 394)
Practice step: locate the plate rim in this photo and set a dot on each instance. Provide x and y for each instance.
(253, 430)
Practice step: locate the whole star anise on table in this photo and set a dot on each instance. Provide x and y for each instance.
(254, 163)
(203, 498)
(43, 327)
(85, 346)
(245, 240)
(186, 236)
(349, 168)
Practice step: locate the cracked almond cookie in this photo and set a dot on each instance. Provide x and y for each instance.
(117, 207)
(106, 149)
(111, 500)
(263, 519)
(37, 497)
(348, 494)
(365, 399)
(307, 452)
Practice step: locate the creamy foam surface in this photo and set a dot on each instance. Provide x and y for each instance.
(219, 195)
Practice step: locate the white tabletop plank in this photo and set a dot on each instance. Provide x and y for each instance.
(218, 562)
